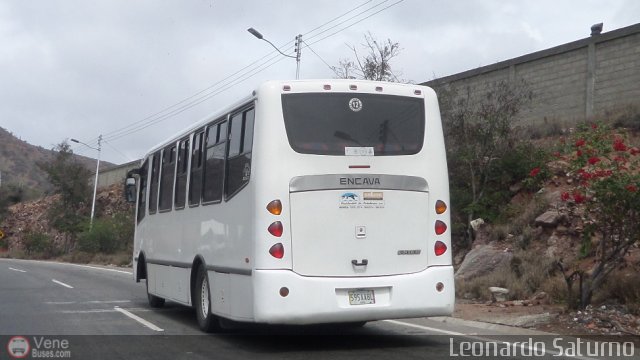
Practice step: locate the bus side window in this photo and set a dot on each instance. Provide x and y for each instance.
(239, 155)
(166, 178)
(142, 194)
(195, 184)
(153, 185)
(214, 163)
(181, 176)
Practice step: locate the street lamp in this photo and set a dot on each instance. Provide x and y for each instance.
(257, 34)
(95, 184)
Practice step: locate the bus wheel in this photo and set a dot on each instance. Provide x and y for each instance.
(154, 301)
(206, 320)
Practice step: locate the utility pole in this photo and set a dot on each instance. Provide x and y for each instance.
(95, 185)
(298, 54)
(298, 46)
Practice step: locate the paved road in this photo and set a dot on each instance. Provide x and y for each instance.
(102, 313)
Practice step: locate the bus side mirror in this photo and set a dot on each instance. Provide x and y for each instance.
(130, 190)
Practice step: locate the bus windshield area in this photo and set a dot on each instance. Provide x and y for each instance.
(354, 124)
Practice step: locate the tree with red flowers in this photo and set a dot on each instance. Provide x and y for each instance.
(607, 174)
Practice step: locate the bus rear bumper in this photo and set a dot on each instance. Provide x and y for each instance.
(317, 300)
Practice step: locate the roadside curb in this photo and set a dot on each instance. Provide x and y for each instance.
(488, 326)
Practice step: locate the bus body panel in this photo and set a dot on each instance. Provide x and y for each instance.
(359, 232)
(314, 300)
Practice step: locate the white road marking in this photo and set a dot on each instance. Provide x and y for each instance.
(61, 283)
(76, 265)
(426, 328)
(103, 269)
(18, 270)
(60, 302)
(138, 319)
(87, 302)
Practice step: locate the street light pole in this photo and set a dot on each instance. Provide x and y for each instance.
(298, 51)
(95, 183)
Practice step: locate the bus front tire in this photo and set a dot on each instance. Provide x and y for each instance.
(206, 320)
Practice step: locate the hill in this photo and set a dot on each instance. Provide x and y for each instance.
(19, 164)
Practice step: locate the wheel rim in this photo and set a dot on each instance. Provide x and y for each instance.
(204, 298)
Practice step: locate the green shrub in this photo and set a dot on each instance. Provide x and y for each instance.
(107, 235)
(622, 287)
(37, 243)
(628, 118)
(523, 276)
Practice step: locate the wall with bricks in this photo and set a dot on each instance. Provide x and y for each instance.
(575, 81)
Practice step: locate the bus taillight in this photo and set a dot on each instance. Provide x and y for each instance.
(441, 207)
(275, 229)
(275, 207)
(277, 251)
(441, 227)
(440, 248)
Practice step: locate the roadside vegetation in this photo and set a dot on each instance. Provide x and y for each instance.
(65, 231)
(587, 174)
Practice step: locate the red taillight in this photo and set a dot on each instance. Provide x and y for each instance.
(277, 251)
(441, 227)
(441, 207)
(275, 229)
(275, 207)
(440, 248)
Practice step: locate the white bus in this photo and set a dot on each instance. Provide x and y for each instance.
(308, 202)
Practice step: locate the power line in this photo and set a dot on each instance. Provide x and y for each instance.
(319, 57)
(118, 151)
(197, 101)
(228, 82)
(357, 22)
(344, 21)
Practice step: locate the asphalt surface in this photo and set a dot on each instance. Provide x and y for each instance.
(87, 312)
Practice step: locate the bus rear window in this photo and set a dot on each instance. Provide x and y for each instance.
(359, 124)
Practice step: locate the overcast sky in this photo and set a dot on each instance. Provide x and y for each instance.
(80, 68)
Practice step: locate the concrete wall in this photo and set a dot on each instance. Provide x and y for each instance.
(579, 80)
(116, 174)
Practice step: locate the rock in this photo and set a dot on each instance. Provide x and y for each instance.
(540, 298)
(482, 260)
(527, 321)
(498, 294)
(558, 167)
(549, 219)
(475, 224)
(562, 230)
(515, 188)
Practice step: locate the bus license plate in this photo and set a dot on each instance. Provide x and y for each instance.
(361, 297)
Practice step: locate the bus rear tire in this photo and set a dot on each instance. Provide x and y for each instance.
(202, 301)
